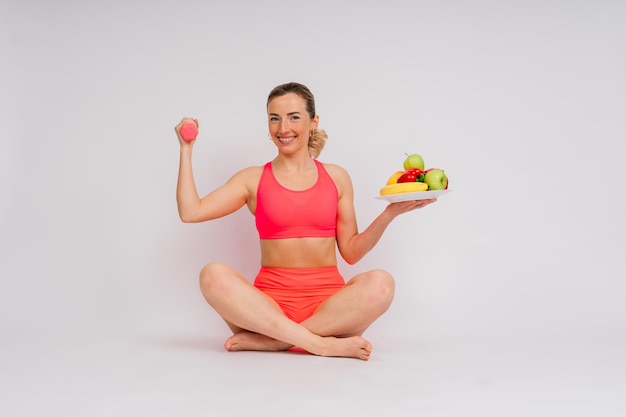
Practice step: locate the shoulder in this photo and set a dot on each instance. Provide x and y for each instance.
(253, 170)
(336, 171)
(249, 174)
(340, 176)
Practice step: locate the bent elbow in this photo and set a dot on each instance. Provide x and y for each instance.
(186, 218)
(349, 256)
(351, 260)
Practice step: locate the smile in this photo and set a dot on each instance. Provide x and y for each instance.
(286, 140)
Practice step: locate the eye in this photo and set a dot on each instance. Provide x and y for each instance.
(273, 119)
(295, 118)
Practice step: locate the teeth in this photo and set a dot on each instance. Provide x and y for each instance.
(287, 140)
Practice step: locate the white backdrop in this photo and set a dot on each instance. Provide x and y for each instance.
(522, 103)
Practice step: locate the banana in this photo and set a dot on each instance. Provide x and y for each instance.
(403, 187)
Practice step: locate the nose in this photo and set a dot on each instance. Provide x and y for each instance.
(284, 125)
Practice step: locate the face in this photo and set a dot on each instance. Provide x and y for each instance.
(289, 122)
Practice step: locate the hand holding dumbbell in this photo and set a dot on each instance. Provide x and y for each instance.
(188, 129)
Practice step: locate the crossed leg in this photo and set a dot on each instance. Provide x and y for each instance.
(335, 329)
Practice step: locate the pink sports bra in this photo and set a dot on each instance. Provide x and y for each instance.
(283, 213)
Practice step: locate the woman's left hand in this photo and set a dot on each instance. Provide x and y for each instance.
(405, 206)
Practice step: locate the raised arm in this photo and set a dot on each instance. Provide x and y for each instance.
(222, 201)
(354, 245)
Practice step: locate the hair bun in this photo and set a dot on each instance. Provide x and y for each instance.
(317, 140)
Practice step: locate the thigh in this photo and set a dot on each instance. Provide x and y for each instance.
(227, 291)
(373, 281)
(351, 310)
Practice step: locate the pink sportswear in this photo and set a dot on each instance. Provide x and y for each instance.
(283, 213)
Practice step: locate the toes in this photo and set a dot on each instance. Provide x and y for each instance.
(229, 345)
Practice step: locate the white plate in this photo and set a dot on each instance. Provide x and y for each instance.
(421, 195)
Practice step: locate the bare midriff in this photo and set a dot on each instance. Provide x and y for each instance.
(302, 252)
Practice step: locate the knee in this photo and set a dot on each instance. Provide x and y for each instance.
(382, 288)
(212, 276)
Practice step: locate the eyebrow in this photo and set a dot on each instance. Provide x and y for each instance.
(288, 114)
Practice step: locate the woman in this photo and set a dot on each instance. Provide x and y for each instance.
(304, 210)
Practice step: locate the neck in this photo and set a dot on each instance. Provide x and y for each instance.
(293, 163)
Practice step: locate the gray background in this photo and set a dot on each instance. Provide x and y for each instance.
(522, 103)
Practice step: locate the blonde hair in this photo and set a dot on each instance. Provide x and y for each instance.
(317, 137)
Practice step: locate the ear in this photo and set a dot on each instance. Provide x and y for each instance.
(315, 121)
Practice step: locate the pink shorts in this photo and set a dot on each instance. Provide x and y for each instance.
(299, 291)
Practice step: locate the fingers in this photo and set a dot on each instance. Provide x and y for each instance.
(405, 206)
(178, 127)
(186, 120)
(424, 203)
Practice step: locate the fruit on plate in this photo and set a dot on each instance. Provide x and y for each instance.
(413, 161)
(394, 177)
(412, 175)
(436, 179)
(403, 187)
(415, 178)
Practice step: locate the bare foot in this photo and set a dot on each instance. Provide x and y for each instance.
(245, 340)
(348, 347)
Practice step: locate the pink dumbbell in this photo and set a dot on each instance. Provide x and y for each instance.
(189, 131)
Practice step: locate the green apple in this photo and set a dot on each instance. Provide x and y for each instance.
(413, 161)
(436, 179)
